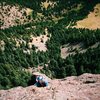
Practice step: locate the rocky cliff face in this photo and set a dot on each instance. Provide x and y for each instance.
(84, 87)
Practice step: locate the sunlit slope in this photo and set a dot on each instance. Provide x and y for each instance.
(92, 21)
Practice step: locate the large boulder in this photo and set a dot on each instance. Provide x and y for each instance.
(38, 73)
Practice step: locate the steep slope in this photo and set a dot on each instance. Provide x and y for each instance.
(36, 33)
(84, 87)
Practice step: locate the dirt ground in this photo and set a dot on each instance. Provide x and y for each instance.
(39, 41)
(92, 21)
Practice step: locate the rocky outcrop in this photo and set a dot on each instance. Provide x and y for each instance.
(84, 87)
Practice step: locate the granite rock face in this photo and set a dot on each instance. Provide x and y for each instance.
(84, 87)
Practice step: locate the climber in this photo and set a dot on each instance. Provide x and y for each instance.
(41, 81)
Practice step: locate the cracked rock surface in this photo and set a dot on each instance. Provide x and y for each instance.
(84, 87)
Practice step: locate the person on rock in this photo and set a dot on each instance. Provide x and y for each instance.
(41, 81)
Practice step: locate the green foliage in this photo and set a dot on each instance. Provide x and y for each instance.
(13, 76)
(13, 59)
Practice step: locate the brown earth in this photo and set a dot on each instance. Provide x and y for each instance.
(92, 21)
(84, 87)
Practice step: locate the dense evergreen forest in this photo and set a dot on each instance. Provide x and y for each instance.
(13, 60)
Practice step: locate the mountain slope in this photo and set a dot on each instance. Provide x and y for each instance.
(92, 21)
(39, 34)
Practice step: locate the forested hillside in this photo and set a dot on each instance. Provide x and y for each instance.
(49, 24)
